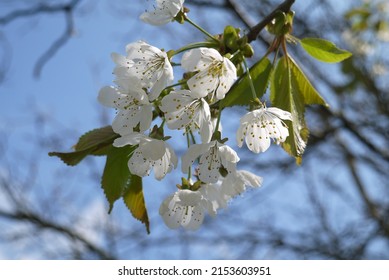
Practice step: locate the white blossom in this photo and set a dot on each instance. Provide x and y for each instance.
(214, 157)
(132, 104)
(258, 126)
(216, 73)
(214, 196)
(150, 153)
(184, 109)
(235, 183)
(184, 208)
(148, 64)
(165, 12)
(221, 192)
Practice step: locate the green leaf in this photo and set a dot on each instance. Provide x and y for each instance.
(324, 50)
(304, 86)
(116, 175)
(117, 182)
(95, 142)
(134, 200)
(240, 92)
(291, 91)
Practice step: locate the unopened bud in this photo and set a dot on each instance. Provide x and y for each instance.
(248, 50)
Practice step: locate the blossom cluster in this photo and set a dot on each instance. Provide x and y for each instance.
(144, 91)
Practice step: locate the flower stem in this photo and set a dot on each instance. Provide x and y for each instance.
(188, 133)
(218, 118)
(193, 46)
(250, 80)
(201, 29)
(175, 85)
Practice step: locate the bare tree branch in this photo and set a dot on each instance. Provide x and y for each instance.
(67, 9)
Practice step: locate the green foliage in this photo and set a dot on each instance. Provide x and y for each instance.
(95, 142)
(324, 50)
(134, 200)
(291, 91)
(240, 93)
(116, 175)
(117, 181)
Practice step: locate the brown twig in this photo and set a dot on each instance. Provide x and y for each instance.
(254, 31)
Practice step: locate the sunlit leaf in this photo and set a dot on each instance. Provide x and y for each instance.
(324, 50)
(95, 142)
(134, 200)
(240, 93)
(291, 91)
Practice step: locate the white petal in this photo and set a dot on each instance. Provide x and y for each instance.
(108, 96)
(209, 165)
(146, 117)
(228, 154)
(202, 84)
(191, 60)
(165, 77)
(171, 216)
(195, 218)
(164, 12)
(206, 130)
(152, 149)
(240, 134)
(192, 154)
(138, 165)
(250, 179)
(130, 139)
(285, 115)
(165, 165)
(227, 79)
(250, 116)
(232, 185)
(189, 198)
(173, 158)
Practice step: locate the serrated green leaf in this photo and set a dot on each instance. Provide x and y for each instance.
(95, 142)
(95, 139)
(304, 86)
(240, 92)
(291, 91)
(116, 175)
(324, 50)
(134, 200)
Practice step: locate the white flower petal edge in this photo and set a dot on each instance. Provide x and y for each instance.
(150, 154)
(165, 12)
(261, 125)
(184, 110)
(235, 183)
(213, 157)
(132, 104)
(216, 73)
(219, 194)
(146, 63)
(184, 208)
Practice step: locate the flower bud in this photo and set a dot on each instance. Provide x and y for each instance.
(248, 50)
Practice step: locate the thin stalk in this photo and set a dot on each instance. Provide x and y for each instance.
(250, 79)
(218, 118)
(188, 133)
(201, 29)
(194, 46)
(176, 85)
